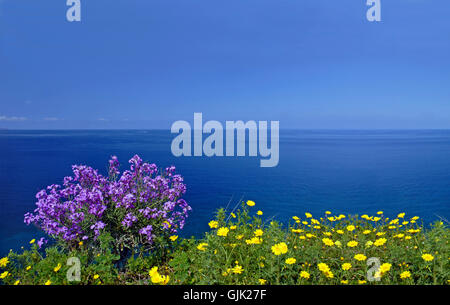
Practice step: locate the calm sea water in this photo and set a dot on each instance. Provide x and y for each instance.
(341, 171)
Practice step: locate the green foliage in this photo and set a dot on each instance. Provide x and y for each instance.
(243, 247)
(35, 267)
(311, 243)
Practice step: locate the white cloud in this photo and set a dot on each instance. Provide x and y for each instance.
(12, 118)
(103, 120)
(52, 119)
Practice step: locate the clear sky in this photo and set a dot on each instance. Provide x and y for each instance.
(147, 63)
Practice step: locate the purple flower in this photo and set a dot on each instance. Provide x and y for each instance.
(87, 203)
(148, 232)
(41, 241)
(114, 166)
(128, 220)
(128, 201)
(97, 227)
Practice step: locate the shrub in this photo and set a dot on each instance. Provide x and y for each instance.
(139, 208)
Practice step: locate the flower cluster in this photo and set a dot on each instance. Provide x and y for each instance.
(242, 248)
(134, 207)
(319, 250)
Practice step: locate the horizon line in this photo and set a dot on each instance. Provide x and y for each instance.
(168, 129)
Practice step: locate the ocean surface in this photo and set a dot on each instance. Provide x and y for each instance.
(341, 171)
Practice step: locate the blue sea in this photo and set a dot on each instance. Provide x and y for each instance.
(341, 171)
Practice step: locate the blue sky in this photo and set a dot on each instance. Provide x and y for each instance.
(146, 63)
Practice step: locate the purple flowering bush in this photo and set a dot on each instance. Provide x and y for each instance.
(139, 208)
